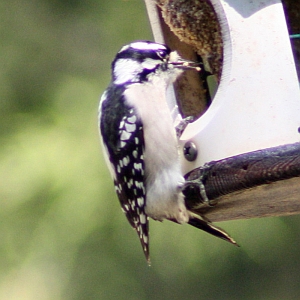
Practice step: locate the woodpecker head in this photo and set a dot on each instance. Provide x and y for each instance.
(141, 61)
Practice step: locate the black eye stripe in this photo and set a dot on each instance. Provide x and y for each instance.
(144, 58)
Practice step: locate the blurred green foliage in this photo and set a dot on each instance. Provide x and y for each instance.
(62, 233)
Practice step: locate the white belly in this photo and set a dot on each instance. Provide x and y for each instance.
(163, 175)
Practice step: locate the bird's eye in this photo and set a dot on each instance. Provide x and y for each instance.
(161, 54)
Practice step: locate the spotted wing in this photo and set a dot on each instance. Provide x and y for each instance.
(122, 133)
(130, 178)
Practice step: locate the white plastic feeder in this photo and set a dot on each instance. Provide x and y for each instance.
(257, 104)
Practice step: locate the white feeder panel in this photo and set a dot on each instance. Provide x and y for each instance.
(257, 104)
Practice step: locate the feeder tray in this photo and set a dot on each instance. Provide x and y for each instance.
(246, 99)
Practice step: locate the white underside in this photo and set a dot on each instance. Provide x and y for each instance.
(162, 164)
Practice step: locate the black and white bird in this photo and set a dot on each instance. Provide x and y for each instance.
(140, 141)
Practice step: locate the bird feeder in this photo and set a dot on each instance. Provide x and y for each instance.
(244, 146)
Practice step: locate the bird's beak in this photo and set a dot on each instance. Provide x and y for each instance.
(178, 62)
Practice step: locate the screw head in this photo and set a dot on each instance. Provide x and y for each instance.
(190, 151)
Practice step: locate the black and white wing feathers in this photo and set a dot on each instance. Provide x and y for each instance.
(125, 147)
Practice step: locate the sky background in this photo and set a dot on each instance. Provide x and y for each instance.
(62, 233)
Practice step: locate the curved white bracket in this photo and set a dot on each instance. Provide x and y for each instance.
(257, 104)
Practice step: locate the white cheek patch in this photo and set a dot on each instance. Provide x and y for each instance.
(126, 70)
(147, 46)
(149, 64)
